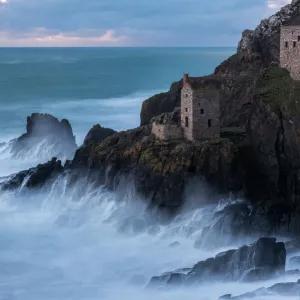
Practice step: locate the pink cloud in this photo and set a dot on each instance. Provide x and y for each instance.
(42, 37)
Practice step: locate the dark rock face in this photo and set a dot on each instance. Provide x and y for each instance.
(160, 171)
(259, 261)
(160, 103)
(97, 134)
(49, 131)
(35, 177)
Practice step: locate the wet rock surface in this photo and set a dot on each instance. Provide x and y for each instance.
(262, 260)
(35, 177)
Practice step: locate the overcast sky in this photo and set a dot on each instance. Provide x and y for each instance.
(130, 22)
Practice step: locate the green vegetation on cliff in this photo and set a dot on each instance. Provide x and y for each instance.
(279, 92)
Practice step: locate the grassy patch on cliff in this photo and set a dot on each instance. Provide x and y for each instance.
(278, 91)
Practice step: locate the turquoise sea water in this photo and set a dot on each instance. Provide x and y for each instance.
(92, 85)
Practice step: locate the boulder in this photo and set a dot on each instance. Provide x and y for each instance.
(97, 134)
(261, 260)
(47, 134)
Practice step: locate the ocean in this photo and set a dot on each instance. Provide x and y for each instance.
(92, 85)
(62, 244)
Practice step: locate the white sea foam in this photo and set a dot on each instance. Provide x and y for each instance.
(56, 244)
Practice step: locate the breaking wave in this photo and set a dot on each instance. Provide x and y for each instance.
(78, 242)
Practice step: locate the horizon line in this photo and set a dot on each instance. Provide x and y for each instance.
(21, 47)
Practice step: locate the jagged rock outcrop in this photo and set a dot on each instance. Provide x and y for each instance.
(43, 131)
(260, 261)
(97, 134)
(161, 171)
(263, 43)
(35, 177)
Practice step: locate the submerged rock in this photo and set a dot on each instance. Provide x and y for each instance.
(295, 260)
(260, 261)
(46, 133)
(287, 289)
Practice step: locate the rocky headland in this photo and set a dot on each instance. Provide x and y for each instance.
(257, 158)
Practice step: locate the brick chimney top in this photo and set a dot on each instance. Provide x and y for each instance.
(185, 79)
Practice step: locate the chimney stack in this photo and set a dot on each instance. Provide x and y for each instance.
(185, 79)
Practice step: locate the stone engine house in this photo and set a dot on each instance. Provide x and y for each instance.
(199, 115)
(199, 112)
(290, 48)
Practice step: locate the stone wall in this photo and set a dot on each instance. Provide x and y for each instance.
(290, 50)
(206, 114)
(187, 111)
(167, 131)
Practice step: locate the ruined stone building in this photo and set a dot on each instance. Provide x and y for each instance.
(197, 119)
(290, 48)
(199, 111)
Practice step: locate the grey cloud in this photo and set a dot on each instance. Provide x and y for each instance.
(156, 22)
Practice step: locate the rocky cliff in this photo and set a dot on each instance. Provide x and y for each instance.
(257, 95)
(159, 170)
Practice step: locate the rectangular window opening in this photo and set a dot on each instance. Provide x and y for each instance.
(294, 44)
(298, 38)
(286, 44)
(186, 122)
(209, 122)
(186, 109)
(202, 111)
